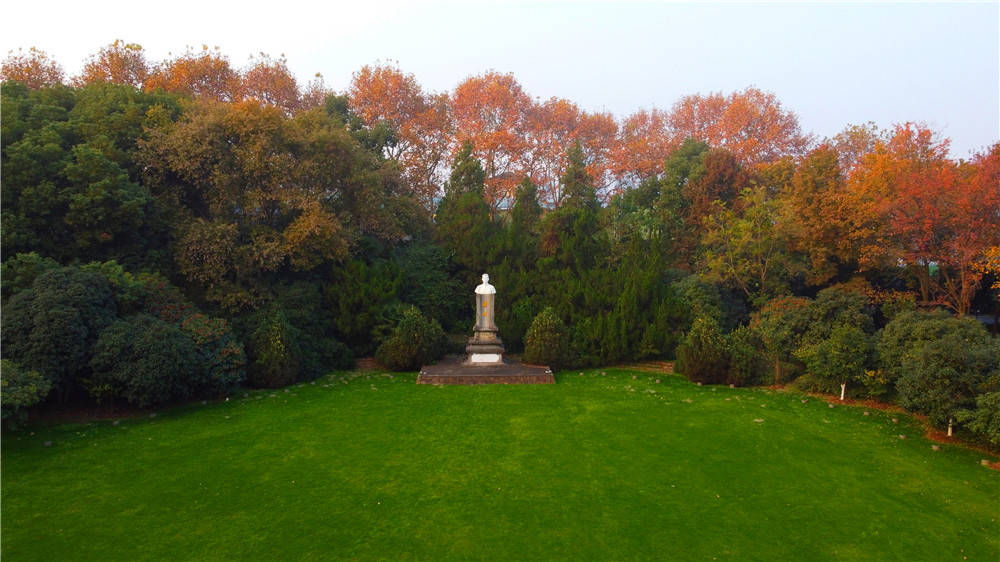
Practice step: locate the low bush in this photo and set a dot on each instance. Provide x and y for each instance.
(51, 327)
(416, 341)
(547, 341)
(146, 361)
(20, 389)
(275, 355)
(703, 356)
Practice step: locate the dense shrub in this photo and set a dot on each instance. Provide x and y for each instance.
(703, 356)
(52, 326)
(984, 418)
(943, 376)
(20, 271)
(416, 341)
(275, 356)
(834, 307)
(146, 361)
(746, 362)
(838, 359)
(780, 324)
(303, 306)
(221, 355)
(547, 341)
(907, 332)
(20, 389)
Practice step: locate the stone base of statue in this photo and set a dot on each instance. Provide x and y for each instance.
(484, 348)
(457, 369)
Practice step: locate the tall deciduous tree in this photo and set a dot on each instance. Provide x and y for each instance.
(911, 204)
(419, 120)
(35, 69)
(269, 81)
(752, 124)
(205, 74)
(117, 63)
(643, 143)
(492, 111)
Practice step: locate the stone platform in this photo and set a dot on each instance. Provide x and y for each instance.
(454, 370)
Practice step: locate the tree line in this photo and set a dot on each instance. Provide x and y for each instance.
(180, 229)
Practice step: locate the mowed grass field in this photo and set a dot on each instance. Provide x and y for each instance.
(597, 467)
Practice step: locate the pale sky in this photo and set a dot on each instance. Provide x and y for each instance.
(832, 63)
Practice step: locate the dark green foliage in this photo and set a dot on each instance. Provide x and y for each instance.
(780, 324)
(273, 350)
(302, 304)
(703, 355)
(52, 326)
(357, 297)
(547, 341)
(70, 186)
(943, 376)
(20, 271)
(220, 354)
(130, 291)
(429, 282)
(416, 341)
(839, 359)
(20, 389)
(746, 362)
(834, 307)
(907, 332)
(467, 174)
(145, 361)
(984, 418)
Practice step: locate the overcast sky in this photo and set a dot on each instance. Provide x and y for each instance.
(833, 63)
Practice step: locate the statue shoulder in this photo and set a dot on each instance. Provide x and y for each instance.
(486, 289)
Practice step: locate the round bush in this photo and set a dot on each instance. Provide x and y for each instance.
(416, 341)
(703, 356)
(145, 361)
(52, 327)
(547, 341)
(20, 389)
(274, 350)
(220, 353)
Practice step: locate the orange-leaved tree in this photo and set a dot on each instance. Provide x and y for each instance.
(205, 74)
(34, 68)
(491, 111)
(419, 120)
(751, 124)
(117, 63)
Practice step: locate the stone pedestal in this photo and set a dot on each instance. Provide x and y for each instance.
(484, 348)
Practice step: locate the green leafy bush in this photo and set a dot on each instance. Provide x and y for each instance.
(984, 418)
(20, 389)
(20, 271)
(839, 359)
(746, 362)
(943, 376)
(547, 341)
(416, 341)
(52, 326)
(219, 352)
(703, 356)
(273, 348)
(146, 361)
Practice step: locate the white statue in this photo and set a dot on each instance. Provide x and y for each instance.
(486, 288)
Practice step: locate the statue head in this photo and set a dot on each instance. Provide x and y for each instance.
(486, 278)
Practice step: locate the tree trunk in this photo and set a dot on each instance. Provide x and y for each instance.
(777, 371)
(950, 421)
(843, 389)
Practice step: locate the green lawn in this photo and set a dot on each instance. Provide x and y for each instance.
(594, 467)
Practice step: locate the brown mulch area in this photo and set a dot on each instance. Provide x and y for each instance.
(50, 414)
(652, 366)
